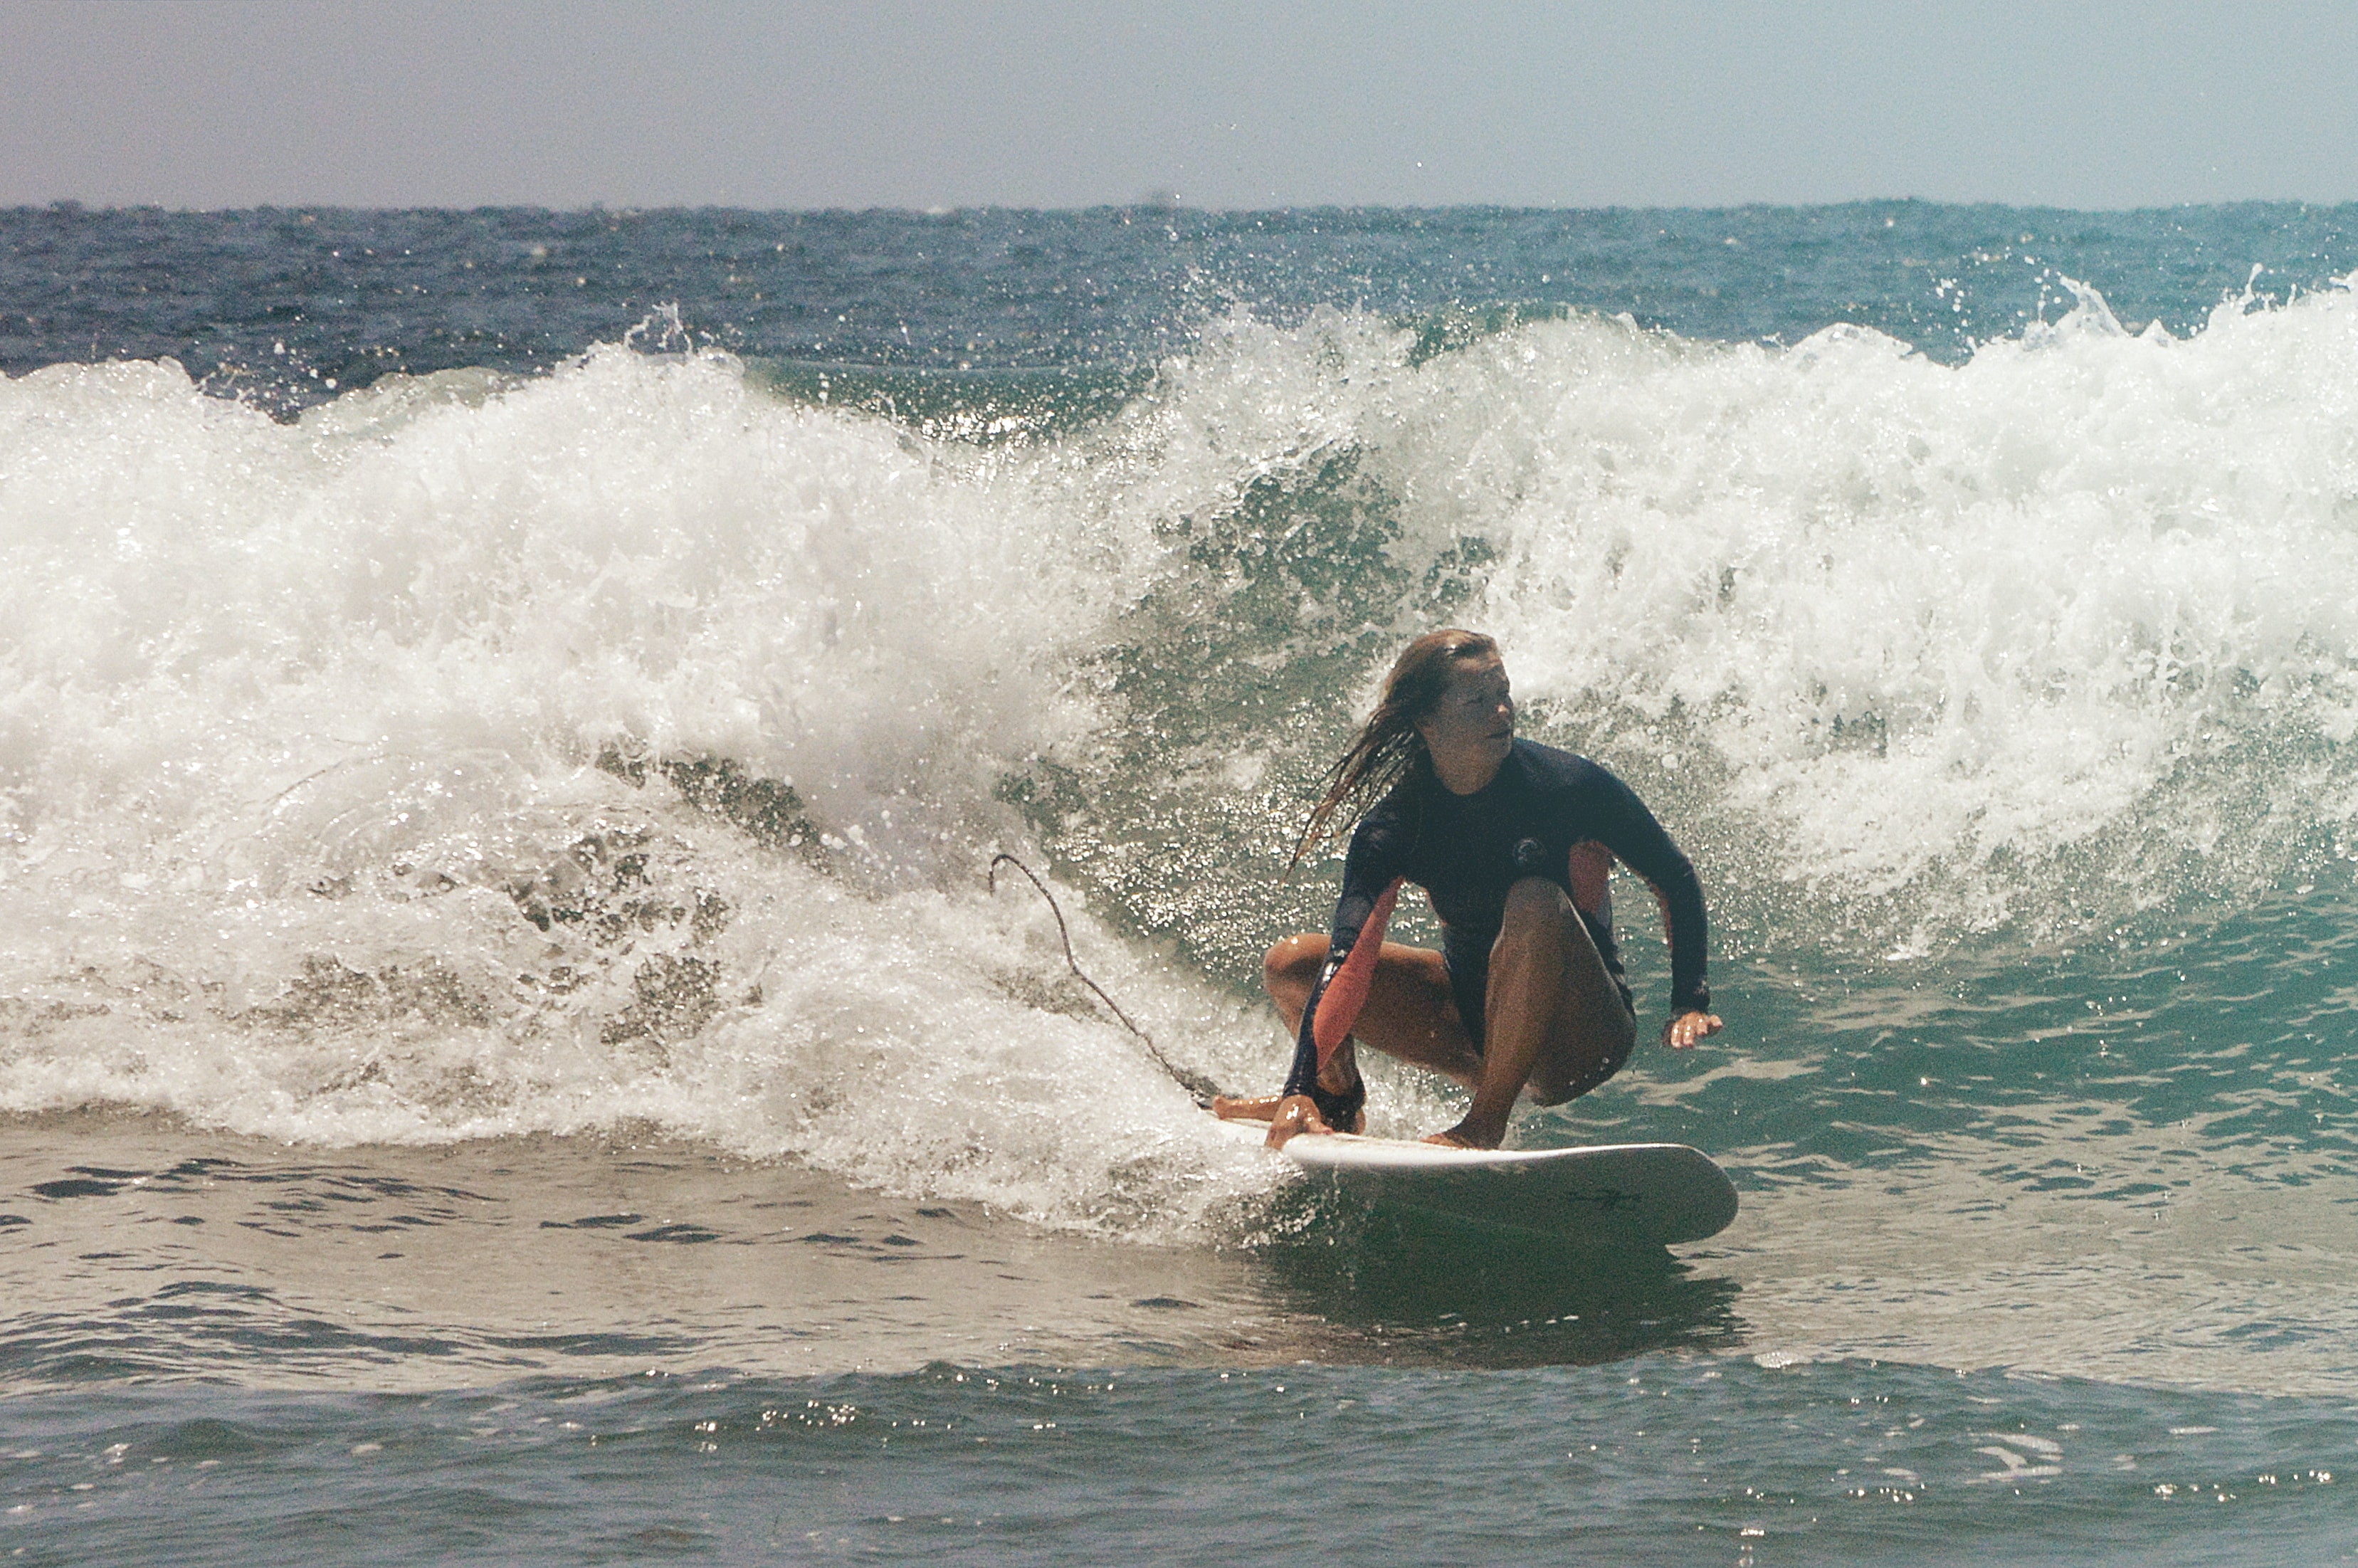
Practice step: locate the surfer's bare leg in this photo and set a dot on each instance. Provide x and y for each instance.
(1409, 1013)
(1556, 1023)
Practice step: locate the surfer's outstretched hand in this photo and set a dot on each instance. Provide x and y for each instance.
(1295, 1114)
(1687, 1030)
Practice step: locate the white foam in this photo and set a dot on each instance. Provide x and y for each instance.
(2059, 632)
(289, 714)
(298, 722)
(1932, 619)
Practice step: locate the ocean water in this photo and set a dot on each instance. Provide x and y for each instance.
(509, 1049)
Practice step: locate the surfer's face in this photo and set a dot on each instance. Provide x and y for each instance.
(1472, 728)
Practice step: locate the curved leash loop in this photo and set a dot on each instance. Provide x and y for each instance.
(1194, 1083)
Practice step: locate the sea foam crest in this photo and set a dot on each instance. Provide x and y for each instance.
(476, 758)
(2043, 638)
(2073, 614)
(481, 757)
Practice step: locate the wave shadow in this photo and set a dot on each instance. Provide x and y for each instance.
(1398, 1287)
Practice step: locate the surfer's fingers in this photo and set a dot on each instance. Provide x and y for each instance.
(1681, 1032)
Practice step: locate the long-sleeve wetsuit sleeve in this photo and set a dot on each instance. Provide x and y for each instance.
(1369, 886)
(1638, 841)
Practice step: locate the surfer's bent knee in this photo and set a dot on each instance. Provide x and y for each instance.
(1572, 1088)
(1547, 1086)
(1606, 1032)
(1292, 966)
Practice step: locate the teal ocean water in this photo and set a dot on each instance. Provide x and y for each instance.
(508, 1052)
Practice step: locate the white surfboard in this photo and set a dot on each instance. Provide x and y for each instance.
(1607, 1194)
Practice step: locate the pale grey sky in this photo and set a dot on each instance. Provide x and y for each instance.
(1061, 103)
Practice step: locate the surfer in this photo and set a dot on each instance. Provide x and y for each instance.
(1512, 841)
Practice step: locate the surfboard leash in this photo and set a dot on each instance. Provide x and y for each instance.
(1194, 1083)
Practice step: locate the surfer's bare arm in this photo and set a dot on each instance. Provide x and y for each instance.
(1685, 1031)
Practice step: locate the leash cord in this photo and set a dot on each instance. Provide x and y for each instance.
(1194, 1083)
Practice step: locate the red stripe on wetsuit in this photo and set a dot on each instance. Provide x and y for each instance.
(1342, 990)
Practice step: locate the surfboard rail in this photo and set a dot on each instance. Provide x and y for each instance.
(1603, 1195)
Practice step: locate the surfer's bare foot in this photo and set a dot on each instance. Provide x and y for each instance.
(1260, 1107)
(1463, 1137)
(1297, 1114)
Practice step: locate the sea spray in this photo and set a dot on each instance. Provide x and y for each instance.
(479, 756)
(2034, 643)
(450, 765)
(655, 1122)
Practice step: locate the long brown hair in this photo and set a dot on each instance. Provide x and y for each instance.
(1388, 747)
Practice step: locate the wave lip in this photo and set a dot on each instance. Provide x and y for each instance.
(479, 756)
(464, 758)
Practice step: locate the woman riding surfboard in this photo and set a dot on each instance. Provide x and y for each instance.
(1513, 842)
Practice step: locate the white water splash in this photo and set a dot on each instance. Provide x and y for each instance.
(349, 771)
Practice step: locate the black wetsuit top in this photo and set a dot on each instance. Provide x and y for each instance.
(1465, 851)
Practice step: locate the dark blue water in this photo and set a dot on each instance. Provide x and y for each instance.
(506, 1051)
(275, 304)
(1659, 1461)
